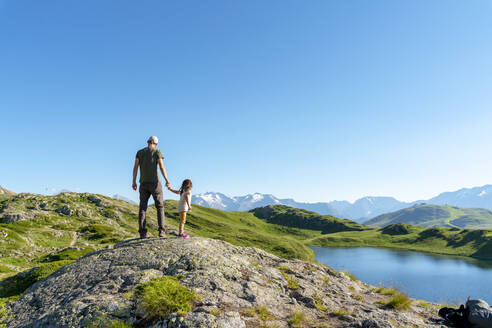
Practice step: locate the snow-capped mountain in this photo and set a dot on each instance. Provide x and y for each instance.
(367, 207)
(240, 203)
(360, 211)
(126, 199)
(478, 197)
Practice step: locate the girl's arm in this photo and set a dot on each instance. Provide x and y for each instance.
(172, 190)
(188, 200)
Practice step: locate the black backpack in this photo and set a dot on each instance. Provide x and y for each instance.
(476, 314)
(479, 313)
(456, 317)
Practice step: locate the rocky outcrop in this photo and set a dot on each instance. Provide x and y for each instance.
(396, 229)
(237, 287)
(4, 191)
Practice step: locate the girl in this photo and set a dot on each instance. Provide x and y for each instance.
(184, 204)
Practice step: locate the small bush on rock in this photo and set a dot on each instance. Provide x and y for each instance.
(297, 319)
(292, 283)
(162, 296)
(386, 291)
(350, 275)
(259, 311)
(399, 302)
(341, 312)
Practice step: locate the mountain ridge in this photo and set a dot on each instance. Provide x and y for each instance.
(431, 215)
(360, 210)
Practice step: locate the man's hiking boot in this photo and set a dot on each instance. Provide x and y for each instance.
(143, 235)
(162, 233)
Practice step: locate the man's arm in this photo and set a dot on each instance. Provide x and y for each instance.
(163, 171)
(135, 171)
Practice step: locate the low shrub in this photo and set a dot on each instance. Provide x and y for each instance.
(162, 296)
(340, 312)
(318, 303)
(297, 319)
(215, 312)
(358, 297)
(259, 311)
(386, 291)
(291, 282)
(350, 275)
(399, 302)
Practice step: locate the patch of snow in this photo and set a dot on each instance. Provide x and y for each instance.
(257, 197)
(482, 193)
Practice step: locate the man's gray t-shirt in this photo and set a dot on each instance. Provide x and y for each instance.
(148, 160)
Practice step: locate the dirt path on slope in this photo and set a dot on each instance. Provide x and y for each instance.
(74, 238)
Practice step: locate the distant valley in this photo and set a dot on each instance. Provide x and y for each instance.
(361, 210)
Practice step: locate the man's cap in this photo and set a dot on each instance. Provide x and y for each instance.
(153, 140)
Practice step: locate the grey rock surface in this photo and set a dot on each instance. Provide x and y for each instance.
(232, 282)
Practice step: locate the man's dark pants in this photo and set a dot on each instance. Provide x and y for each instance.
(146, 189)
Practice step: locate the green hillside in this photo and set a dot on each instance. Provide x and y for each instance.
(426, 215)
(42, 233)
(34, 228)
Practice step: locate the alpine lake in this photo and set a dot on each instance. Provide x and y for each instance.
(434, 278)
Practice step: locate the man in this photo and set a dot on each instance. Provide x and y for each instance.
(148, 159)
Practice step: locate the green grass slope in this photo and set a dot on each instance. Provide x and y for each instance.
(39, 234)
(303, 219)
(446, 241)
(36, 229)
(426, 215)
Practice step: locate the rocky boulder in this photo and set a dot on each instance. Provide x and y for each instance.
(237, 287)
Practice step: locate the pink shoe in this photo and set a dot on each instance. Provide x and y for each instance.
(184, 235)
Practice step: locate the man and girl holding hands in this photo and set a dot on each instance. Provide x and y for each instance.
(149, 160)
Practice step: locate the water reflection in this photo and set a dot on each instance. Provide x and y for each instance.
(443, 279)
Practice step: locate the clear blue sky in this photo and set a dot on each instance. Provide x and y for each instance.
(315, 100)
